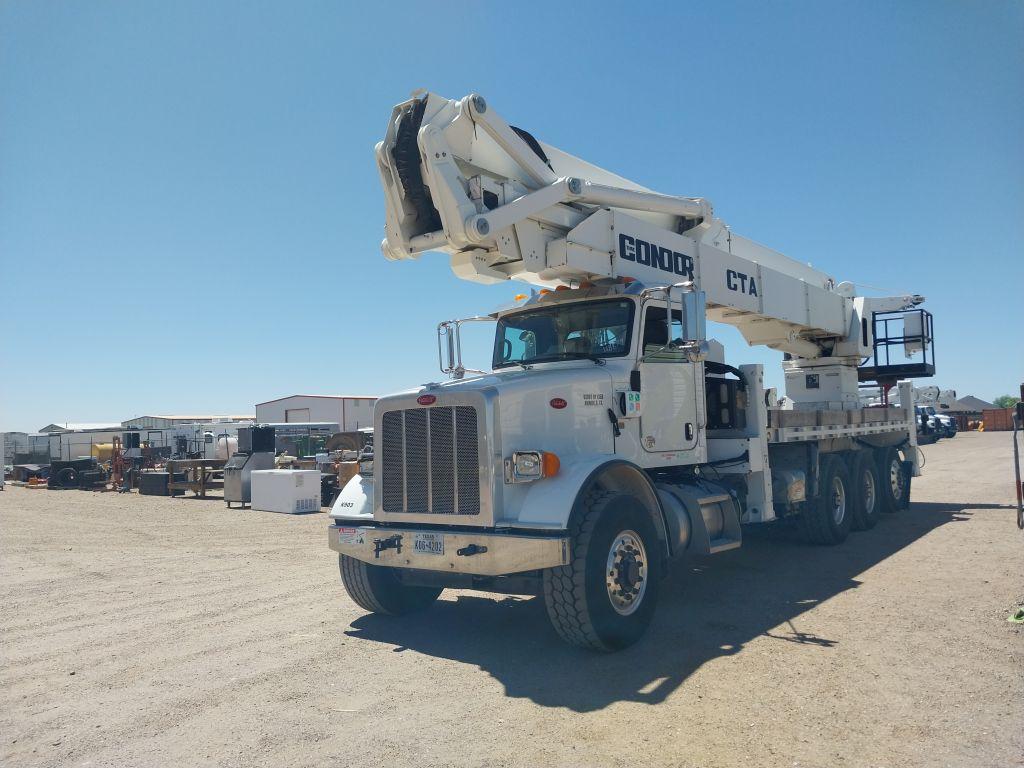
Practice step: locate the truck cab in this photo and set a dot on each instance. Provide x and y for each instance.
(596, 398)
(577, 376)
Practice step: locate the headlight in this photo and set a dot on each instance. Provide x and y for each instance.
(527, 466)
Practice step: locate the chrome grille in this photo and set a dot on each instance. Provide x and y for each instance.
(430, 461)
(442, 450)
(466, 454)
(391, 451)
(416, 471)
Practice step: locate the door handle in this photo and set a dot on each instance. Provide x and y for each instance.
(615, 423)
(688, 430)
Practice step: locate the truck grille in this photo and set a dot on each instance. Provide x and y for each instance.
(430, 461)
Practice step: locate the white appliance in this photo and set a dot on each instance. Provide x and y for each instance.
(289, 491)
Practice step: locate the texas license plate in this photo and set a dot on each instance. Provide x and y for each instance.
(428, 543)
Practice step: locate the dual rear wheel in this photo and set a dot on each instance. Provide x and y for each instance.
(854, 489)
(894, 480)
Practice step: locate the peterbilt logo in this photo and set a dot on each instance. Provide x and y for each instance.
(651, 255)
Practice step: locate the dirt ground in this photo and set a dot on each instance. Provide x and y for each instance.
(144, 631)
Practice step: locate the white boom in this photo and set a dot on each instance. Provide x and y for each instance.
(459, 179)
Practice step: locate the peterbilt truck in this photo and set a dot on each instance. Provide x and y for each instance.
(610, 436)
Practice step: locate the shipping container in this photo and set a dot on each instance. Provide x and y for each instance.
(997, 419)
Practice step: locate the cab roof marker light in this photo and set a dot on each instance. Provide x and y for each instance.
(634, 288)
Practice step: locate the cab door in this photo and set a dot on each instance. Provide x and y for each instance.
(669, 391)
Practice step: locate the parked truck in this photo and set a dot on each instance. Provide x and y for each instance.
(610, 437)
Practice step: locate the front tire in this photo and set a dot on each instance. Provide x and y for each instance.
(826, 519)
(378, 589)
(605, 597)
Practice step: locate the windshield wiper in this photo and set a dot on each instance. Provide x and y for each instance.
(569, 356)
(520, 363)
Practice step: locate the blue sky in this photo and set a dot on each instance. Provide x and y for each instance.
(190, 215)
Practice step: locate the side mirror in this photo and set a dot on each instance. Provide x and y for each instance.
(449, 340)
(694, 306)
(446, 342)
(690, 342)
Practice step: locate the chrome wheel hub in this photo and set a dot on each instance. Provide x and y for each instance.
(626, 572)
(896, 479)
(838, 501)
(870, 495)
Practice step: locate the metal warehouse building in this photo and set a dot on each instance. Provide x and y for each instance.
(351, 412)
(165, 422)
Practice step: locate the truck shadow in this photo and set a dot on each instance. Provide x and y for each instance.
(708, 609)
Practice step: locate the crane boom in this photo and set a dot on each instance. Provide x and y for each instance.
(459, 179)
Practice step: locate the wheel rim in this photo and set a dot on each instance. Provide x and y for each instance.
(870, 494)
(838, 501)
(626, 572)
(896, 479)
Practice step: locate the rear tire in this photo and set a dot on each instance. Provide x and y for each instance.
(377, 588)
(605, 597)
(826, 519)
(894, 480)
(67, 478)
(864, 482)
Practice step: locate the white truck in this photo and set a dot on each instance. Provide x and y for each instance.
(610, 437)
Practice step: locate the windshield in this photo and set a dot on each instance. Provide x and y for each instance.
(593, 329)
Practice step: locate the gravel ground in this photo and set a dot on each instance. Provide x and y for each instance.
(143, 631)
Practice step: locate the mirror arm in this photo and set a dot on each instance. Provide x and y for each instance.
(666, 291)
(451, 331)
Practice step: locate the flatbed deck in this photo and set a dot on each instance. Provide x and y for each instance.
(789, 426)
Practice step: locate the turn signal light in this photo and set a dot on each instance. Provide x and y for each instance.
(551, 464)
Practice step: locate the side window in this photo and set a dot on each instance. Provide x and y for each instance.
(519, 344)
(656, 332)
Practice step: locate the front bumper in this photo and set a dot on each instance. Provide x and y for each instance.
(480, 554)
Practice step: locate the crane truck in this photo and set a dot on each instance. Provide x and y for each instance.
(610, 437)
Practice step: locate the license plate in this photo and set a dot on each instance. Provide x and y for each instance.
(428, 543)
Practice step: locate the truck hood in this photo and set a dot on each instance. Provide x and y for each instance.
(558, 407)
(580, 383)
